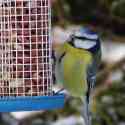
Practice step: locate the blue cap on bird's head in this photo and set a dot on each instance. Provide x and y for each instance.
(85, 39)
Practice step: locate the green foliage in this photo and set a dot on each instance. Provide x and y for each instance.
(110, 105)
(89, 11)
(82, 9)
(118, 8)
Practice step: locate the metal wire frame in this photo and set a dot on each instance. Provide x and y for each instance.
(25, 48)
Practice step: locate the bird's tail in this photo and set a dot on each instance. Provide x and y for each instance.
(86, 112)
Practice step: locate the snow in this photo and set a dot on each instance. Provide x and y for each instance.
(24, 114)
(72, 120)
(61, 35)
(112, 51)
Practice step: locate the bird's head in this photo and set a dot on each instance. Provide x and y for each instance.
(85, 39)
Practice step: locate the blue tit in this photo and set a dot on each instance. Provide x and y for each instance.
(77, 62)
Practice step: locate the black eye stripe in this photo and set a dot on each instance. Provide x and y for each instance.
(83, 38)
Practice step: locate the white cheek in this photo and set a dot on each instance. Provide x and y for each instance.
(86, 44)
(90, 36)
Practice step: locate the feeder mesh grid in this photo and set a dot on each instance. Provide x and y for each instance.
(25, 48)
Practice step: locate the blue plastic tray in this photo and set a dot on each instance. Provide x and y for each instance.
(31, 103)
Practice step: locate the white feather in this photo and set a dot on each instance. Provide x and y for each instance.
(90, 36)
(86, 44)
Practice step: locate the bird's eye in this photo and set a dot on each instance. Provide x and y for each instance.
(84, 44)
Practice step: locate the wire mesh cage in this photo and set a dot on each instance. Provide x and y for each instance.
(25, 56)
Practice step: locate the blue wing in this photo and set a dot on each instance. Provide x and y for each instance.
(91, 78)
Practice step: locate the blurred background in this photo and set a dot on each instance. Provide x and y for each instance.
(107, 17)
